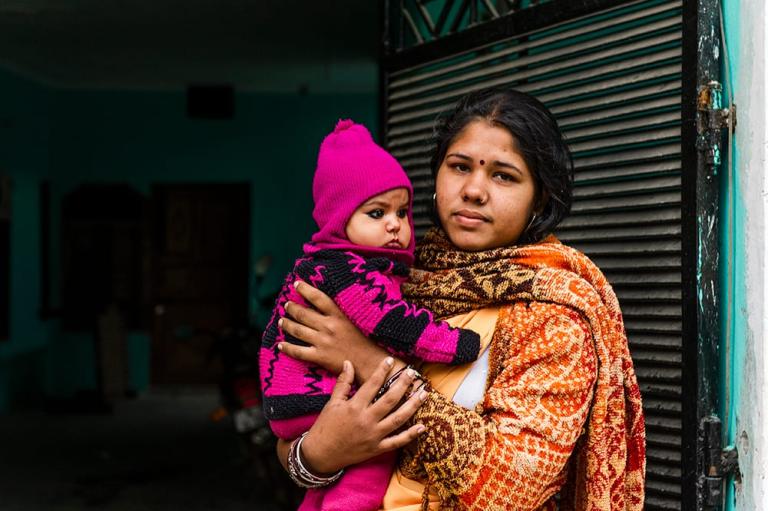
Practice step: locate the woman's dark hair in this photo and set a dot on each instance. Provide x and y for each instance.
(538, 138)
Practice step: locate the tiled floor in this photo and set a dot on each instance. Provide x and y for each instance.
(158, 452)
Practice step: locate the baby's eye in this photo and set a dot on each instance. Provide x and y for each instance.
(376, 213)
(402, 213)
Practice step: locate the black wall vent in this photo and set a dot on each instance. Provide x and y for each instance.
(211, 101)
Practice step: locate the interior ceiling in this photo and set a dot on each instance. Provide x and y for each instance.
(166, 44)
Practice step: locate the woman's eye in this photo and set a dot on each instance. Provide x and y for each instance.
(376, 213)
(402, 213)
(461, 167)
(503, 176)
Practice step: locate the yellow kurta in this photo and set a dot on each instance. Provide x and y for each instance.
(405, 494)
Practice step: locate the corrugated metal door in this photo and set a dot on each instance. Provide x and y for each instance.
(613, 79)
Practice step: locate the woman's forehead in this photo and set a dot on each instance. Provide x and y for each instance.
(481, 135)
(481, 140)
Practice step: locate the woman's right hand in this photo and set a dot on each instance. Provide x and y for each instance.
(350, 430)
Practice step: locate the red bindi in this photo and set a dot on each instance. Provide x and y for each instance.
(482, 162)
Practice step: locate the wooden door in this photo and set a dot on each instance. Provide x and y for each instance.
(200, 276)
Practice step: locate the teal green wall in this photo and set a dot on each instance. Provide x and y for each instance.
(143, 138)
(732, 255)
(24, 155)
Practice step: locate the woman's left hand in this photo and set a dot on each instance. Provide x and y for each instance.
(352, 429)
(331, 336)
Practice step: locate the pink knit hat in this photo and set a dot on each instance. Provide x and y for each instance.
(352, 168)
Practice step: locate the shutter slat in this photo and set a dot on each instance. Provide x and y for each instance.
(633, 155)
(627, 187)
(651, 294)
(621, 124)
(615, 142)
(654, 215)
(622, 109)
(619, 171)
(652, 357)
(637, 201)
(611, 100)
(609, 82)
(650, 310)
(622, 233)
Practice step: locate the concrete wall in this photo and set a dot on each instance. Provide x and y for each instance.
(747, 414)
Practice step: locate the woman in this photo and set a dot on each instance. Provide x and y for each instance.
(552, 405)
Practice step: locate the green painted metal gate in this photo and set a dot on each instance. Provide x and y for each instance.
(613, 74)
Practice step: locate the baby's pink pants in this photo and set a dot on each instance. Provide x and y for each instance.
(360, 488)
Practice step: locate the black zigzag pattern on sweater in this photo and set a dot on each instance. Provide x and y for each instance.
(314, 374)
(327, 270)
(293, 405)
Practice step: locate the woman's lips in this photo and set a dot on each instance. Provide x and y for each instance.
(469, 218)
(394, 244)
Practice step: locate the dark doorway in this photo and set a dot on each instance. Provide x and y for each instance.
(199, 284)
(101, 255)
(102, 275)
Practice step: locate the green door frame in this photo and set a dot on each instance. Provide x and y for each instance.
(705, 463)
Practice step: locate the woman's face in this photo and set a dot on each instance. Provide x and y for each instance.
(485, 191)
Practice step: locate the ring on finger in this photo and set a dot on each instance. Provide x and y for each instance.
(410, 372)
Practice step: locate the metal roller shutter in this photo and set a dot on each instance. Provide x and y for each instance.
(613, 79)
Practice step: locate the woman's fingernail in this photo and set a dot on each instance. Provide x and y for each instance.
(421, 428)
(296, 283)
(410, 372)
(389, 361)
(422, 395)
(280, 346)
(280, 322)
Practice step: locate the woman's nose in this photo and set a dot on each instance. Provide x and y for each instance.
(474, 190)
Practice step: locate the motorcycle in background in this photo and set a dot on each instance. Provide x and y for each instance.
(240, 388)
(237, 350)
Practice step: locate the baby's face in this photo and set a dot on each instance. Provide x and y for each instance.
(382, 221)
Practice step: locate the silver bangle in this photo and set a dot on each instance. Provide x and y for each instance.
(300, 474)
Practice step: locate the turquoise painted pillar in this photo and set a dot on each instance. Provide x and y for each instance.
(744, 251)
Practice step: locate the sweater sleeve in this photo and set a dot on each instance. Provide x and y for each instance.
(368, 293)
(511, 453)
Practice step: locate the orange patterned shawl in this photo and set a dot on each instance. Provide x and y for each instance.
(607, 468)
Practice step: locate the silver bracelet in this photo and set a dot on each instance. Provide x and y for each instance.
(300, 474)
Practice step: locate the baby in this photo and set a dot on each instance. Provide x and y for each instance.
(359, 257)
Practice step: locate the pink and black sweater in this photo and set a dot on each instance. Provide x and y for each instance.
(367, 290)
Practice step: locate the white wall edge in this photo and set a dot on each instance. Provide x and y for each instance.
(752, 144)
